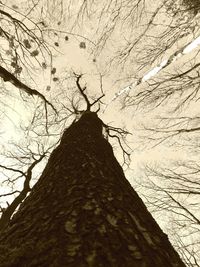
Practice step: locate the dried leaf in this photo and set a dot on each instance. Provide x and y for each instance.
(35, 53)
(27, 43)
(14, 6)
(44, 65)
(18, 70)
(82, 45)
(53, 71)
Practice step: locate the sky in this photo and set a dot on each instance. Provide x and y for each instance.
(121, 76)
(69, 56)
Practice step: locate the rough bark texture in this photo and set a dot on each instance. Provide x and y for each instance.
(84, 213)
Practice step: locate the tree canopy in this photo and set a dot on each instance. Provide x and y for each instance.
(138, 64)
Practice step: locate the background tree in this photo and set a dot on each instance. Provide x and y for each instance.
(173, 194)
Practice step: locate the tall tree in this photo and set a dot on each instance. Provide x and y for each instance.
(142, 38)
(83, 211)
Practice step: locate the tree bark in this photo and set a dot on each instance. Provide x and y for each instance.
(84, 213)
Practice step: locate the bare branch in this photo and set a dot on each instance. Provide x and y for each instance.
(8, 77)
(8, 212)
(82, 92)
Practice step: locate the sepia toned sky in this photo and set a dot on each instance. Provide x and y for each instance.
(100, 57)
(101, 61)
(130, 49)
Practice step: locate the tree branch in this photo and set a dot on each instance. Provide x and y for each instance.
(89, 105)
(9, 77)
(8, 212)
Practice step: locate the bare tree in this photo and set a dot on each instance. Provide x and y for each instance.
(81, 201)
(126, 41)
(173, 193)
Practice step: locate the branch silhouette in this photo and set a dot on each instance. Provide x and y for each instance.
(9, 77)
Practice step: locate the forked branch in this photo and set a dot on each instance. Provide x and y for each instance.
(82, 92)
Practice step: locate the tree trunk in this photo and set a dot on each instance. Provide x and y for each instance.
(84, 213)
